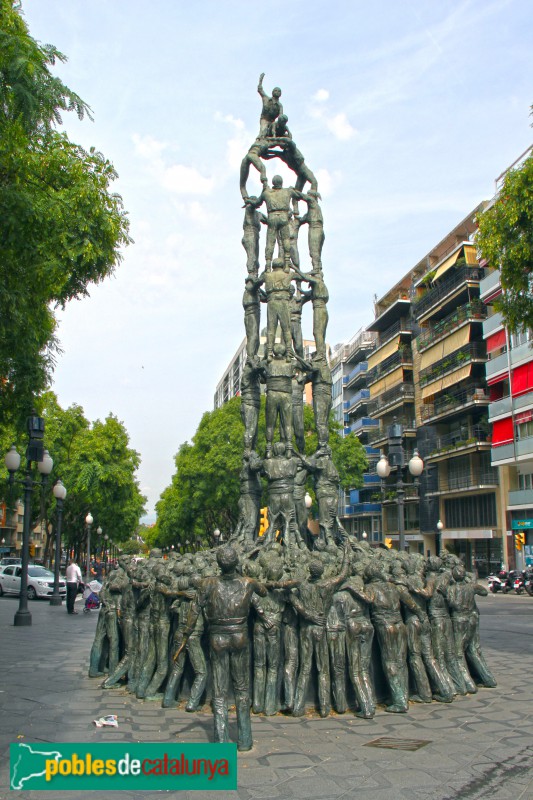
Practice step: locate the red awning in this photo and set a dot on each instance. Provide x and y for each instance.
(502, 431)
(496, 341)
(522, 379)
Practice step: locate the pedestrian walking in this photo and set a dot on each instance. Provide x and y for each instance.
(73, 575)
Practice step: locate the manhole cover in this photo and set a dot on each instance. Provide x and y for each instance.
(398, 744)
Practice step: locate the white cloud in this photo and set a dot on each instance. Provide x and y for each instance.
(340, 127)
(321, 95)
(185, 180)
(177, 178)
(147, 147)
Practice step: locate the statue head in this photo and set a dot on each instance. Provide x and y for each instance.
(316, 569)
(253, 198)
(283, 118)
(277, 181)
(279, 350)
(278, 263)
(195, 580)
(433, 564)
(227, 558)
(276, 92)
(459, 572)
(274, 570)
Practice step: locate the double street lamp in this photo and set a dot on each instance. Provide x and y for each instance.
(35, 453)
(383, 468)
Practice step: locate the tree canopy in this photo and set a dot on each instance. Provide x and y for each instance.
(97, 467)
(505, 239)
(204, 492)
(61, 227)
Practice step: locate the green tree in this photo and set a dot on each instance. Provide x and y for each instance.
(61, 227)
(505, 239)
(204, 492)
(98, 467)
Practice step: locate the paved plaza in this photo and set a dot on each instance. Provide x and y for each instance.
(478, 747)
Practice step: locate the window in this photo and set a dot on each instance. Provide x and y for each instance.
(525, 481)
(471, 512)
(520, 338)
(8, 571)
(525, 430)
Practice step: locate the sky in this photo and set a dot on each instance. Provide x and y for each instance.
(406, 113)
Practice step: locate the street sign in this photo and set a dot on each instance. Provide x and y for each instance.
(522, 524)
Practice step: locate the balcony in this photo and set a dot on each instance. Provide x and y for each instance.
(489, 286)
(464, 483)
(522, 498)
(452, 402)
(458, 443)
(474, 351)
(495, 366)
(471, 312)
(402, 392)
(362, 341)
(391, 495)
(360, 370)
(446, 289)
(401, 357)
(401, 326)
(371, 452)
(492, 324)
(357, 400)
(500, 408)
(362, 508)
(361, 425)
(381, 434)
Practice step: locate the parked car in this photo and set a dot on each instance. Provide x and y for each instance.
(40, 581)
(4, 562)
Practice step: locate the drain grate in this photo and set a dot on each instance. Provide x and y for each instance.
(398, 744)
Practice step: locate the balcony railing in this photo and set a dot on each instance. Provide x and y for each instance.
(382, 431)
(451, 400)
(474, 480)
(461, 439)
(360, 425)
(363, 508)
(439, 293)
(394, 330)
(474, 351)
(357, 399)
(362, 367)
(474, 310)
(402, 391)
(389, 364)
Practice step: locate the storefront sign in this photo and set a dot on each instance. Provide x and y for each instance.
(521, 524)
(447, 534)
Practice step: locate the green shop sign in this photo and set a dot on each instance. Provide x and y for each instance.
(522, 524)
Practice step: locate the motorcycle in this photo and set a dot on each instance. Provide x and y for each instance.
(528, 580)
(518, 583)
(499, 582)
(496, 583)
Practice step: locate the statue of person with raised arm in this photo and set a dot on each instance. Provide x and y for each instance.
(226, 602)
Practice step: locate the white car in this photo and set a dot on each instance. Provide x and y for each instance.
(40, 581)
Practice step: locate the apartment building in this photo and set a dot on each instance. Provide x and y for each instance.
(360, 510)
(392, 404)
(230, 383)
(510, 412)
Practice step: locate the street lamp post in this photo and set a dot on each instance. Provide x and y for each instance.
(106, 537)
(440, 528)
(217, 534)
(35, 453)
(88, 521)
(364, 536)
(59, 493)
(383, 468)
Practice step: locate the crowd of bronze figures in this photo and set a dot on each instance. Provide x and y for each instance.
(326, 608)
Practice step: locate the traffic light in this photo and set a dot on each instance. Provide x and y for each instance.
(519, 540)
(388, 543)
(263, 521)
(32, 549)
